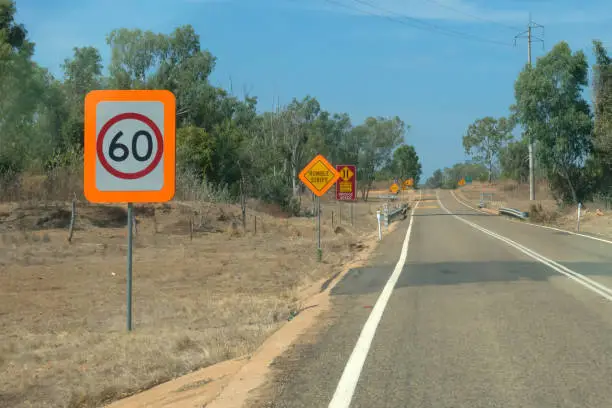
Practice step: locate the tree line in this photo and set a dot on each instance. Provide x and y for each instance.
(224, 144)
(572, 138)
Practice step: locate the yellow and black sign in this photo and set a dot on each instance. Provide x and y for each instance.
(319, 175)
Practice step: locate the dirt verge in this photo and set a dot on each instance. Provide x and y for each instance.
(206, 289)
(254, 369)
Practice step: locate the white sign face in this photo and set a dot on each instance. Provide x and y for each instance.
(129, 146)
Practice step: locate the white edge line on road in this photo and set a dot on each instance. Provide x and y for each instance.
(577, 277)
(350, 376)
(538, 225)
(466, 204)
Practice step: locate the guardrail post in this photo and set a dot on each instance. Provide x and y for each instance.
(386, 215)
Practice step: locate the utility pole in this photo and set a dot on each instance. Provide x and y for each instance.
(531, 38)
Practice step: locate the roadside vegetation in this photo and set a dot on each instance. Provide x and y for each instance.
(572, 136)
(224, 142)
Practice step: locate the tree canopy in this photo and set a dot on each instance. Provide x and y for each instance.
(225, 146)
(573, 142)
(484, 140)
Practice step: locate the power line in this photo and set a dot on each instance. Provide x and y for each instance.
(407, 20)
(436, 27)
(472, 15)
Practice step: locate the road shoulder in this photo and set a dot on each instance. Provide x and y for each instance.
(231, 383)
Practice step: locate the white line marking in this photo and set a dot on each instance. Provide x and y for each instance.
(577, 277)
(350, 376)
(569, 232)
(541, 226)
(467, 205)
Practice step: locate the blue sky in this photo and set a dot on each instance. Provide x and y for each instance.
(354, 58)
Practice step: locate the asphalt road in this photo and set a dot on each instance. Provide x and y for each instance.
(484, 313)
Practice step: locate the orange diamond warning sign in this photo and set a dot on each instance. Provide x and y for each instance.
(319, 175)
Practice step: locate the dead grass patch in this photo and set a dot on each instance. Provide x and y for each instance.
(539, 214)
(201, 296)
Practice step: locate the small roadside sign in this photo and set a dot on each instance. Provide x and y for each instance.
(394, 188)
(409, 182)
(461, 182)
(319, 175)
(346, 186)
(468, 179)
(129, 146)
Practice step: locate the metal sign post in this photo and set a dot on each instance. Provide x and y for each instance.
(319, 250)
(129, 265)
(319, 175)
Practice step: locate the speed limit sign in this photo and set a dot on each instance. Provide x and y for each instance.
(129, 146)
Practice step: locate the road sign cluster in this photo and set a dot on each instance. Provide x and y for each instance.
(319, 175)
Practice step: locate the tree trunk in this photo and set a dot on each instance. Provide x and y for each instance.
(571, 187)
(294, 179)
(243, 201)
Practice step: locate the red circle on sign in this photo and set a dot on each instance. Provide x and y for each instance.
(158, 155)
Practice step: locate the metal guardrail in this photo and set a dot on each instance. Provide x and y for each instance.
(388, 197)
(513, 213)
(390, 214)
(387, 215)
(397, 211)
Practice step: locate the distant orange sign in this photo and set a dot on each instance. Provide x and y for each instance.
(408, 183)
(319, 175)
(462, 182)
(394, 188)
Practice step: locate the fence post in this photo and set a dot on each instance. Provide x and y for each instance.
(578, 218)
(72, 219)
(379, 226)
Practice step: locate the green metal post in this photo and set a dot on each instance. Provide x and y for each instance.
(319, 250)
(129, 266)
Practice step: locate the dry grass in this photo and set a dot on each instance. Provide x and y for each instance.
(595, 219)
(539, 214)
(205, 290)
(507, 194)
